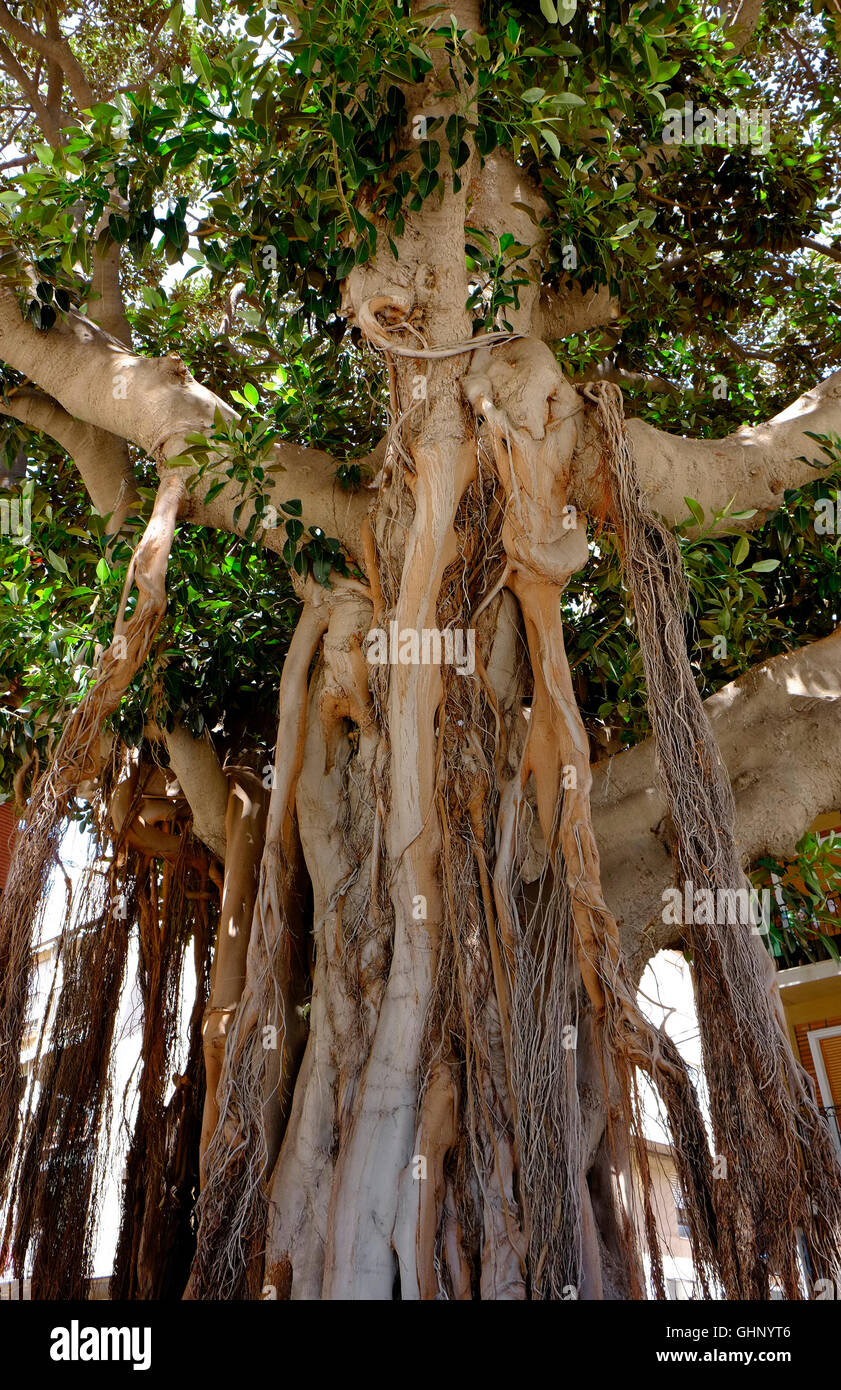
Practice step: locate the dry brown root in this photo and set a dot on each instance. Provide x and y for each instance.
(154, 1244)
(51, 1215)
(779, 1172)
(530, 413)
(78, 758)
(467, 1044)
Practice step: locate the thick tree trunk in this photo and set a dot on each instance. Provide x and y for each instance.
(427, 802)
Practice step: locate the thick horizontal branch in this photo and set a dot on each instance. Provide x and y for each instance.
(101, 458)
(779, 731)
(833, 252)
(567, 310)
(607, 371)
(154, 403)
(752, 467)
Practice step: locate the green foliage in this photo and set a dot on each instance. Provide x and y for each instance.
(503, 276)
(806, 901)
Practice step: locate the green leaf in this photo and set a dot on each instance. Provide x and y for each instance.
(57, 562)
(547, 9)
(551, 140)
(740, 550)
(419, 53)
(696, 510)
(343, 131)
(666, 70)
(430, 153)
(321, 567)
(764, 566)
(215, 489)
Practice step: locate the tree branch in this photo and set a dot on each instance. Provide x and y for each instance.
(55, 48)
(753, 467)
(154, 403)
(608, 371)
(50, 127)
(203, 783)
(741, 20)
(503, 198)
(107, 303)
(779, 731)
(101, 458)
(833, 252)
(567, 310)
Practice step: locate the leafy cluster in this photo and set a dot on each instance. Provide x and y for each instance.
(249, 157)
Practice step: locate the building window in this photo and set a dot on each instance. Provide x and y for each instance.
(681, 1289)
(681, 1214)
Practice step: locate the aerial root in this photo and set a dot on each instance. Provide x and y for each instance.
(232, 1207)
(79, 758)
(780, 1175)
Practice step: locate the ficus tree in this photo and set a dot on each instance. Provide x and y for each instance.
(331, 333)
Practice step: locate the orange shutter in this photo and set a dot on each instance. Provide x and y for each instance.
(831, 1053)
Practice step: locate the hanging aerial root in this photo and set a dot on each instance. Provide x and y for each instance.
(78, 758)
(531, 413)
(232, 1207)
(245, 836)
(544, 1029)
(58, 1163)
(626, 1037)
(779, 1181)
(155, 1235)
